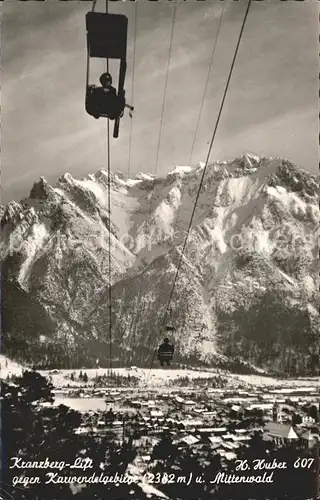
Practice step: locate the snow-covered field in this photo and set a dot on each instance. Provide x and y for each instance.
(82, 404)
(155, 377)
(159, 377)
(257, 380)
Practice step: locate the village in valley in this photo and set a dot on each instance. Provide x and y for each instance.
(216, 412)
(216, 409)
(204, 416)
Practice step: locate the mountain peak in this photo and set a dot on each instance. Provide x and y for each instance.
(40, 190)
(251, 249)
(291, 177)
(66, 178)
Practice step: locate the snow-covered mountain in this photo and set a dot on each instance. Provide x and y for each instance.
(247, 287)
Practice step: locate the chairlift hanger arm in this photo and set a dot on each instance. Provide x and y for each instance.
(106, 39)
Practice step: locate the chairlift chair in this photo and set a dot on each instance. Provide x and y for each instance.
(166, 355)
(106, 39)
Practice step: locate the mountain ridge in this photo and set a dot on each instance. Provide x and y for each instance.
(254, 236)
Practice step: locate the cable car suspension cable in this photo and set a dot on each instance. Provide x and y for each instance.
(109, 232)
(165, 87)
(207, 82)
(208, 156)
(175, 224)
(164, 96)
(204, 169)
(107, 57)
(205, 86)
(132, 87)
(162, 110)
(164, 100)
(109, 247)
(88, 52)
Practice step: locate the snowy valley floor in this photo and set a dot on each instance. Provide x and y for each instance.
(159, 377)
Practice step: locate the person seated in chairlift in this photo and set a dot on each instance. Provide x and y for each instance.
(165, 352)
(106, 84)
(106, 101)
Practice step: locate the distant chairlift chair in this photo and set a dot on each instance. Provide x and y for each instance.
(166, 350)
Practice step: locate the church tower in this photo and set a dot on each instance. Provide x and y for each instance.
(276, 413)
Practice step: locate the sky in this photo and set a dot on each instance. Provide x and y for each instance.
(271, 107)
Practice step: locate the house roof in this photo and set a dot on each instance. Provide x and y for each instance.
(214, 446)
(214, 439)
(190, 439)
(241, 438)
(228, 446)
(218, 429)
(260, 406)
(207, 429)
(192, 422)
(155, 413)
(275, 429)
(236, 407)
(229, 455)
(227, 436)
(310, 436)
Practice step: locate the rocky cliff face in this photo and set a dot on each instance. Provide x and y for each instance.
(247, 287)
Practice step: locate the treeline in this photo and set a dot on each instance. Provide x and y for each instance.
(116, 379)
(216, 382)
